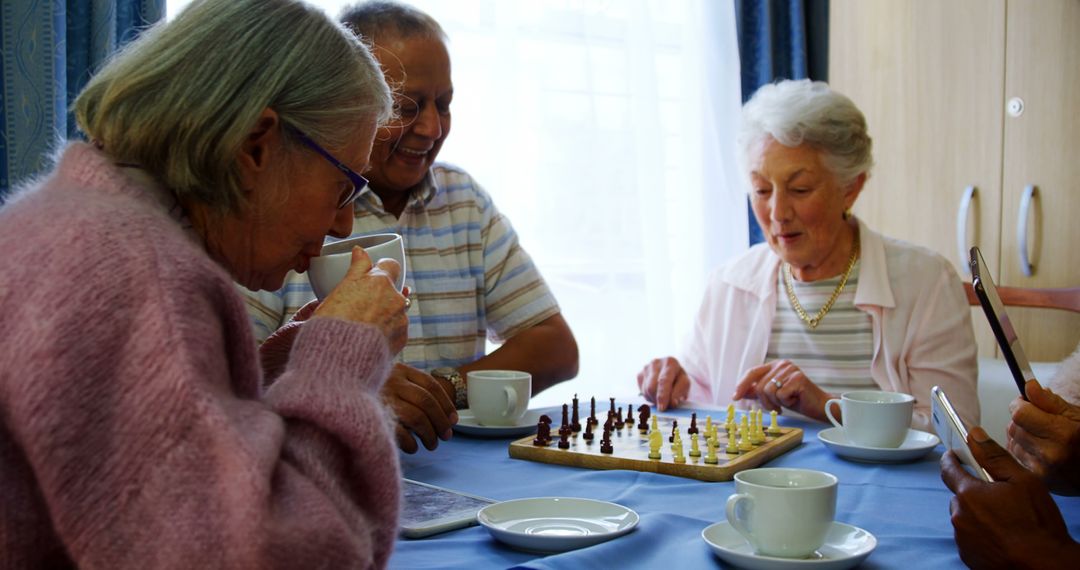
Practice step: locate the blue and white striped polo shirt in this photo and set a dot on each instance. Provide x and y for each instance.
(469, 276)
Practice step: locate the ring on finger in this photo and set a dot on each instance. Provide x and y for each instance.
(777, 383)
(408, 303)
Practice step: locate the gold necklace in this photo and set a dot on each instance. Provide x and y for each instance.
(814, 321)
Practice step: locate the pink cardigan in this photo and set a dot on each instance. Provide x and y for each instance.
(918, 312)
(133, 429)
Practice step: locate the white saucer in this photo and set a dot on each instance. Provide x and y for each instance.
(468, 425)
(916, 444)
(845, 546)
(556, 524)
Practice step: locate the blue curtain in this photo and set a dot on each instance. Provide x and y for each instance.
(50, 48)
(780, 39)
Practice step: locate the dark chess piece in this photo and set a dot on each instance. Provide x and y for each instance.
(565, 420)
(605, 442)
(543, 432)
(575, 422)
(619, 423)
(592, 409)
(643, 417)
(693, 430)
(564, 439)
(588, 431)
(629, 416)
(674, 428)
(612, 405)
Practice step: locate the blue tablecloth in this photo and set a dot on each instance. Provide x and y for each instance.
(906, 506)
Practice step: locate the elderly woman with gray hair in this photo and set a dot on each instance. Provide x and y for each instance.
(826, 305)
(135, 431)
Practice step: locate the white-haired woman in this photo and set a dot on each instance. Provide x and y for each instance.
(826, 305)
(135, 432)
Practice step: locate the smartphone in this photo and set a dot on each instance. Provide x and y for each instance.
(429, 509)
(952, 432)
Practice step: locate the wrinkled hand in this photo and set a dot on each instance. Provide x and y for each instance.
(422, 406)
(1010, 523)
(664, 382)
(1044, 436)
(367, 295)
(781, 384)
(274, 351)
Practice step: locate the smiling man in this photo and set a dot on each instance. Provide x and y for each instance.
(470, 277)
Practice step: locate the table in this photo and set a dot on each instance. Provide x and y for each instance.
(906, 506)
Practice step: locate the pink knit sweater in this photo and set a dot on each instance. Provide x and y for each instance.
(133, 429)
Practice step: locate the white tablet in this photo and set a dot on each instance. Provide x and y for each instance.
(428, 509)
(952, 432)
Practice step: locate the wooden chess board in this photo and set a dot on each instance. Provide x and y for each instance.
(631, 451)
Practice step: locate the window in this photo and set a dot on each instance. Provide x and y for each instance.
(604, 130)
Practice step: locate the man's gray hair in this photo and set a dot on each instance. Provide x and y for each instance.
(382, 18)
(809, 112)
(180, 100)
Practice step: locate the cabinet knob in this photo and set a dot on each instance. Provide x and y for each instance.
(1015, 107)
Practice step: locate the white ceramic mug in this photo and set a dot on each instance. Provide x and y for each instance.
(330, 267)
(783, 512)
(498, 397)
(873, 418)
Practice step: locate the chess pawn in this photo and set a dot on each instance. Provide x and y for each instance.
(744, 436)
(774, 428)
(674, 431)
(710, 455)
(629, 416)
(694, 450)
(588, 436)
(708, 425)
(732, 442)
(677, 452)
(693, 429)
(564, 438)
(619, 423)
(605, 442)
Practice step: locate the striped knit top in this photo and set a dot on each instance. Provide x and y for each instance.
(837, 354)
(470, 278)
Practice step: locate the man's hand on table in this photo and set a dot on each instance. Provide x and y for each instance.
(664, 382)
(1010, 523)
(422, 405)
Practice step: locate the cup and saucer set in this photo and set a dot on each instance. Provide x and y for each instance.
(875, 428)
(499, 405)
(782, 518)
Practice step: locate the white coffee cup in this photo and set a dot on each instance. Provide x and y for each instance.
(873, 418)
(330, 267)
(783, 512)
(498, 397)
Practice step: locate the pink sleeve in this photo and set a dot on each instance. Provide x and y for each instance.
(146, 436)
(942, 351)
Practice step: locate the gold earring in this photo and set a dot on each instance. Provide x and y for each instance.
(847, 214)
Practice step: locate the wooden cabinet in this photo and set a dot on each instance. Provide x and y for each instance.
(940, 84)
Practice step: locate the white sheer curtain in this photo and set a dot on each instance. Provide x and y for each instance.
(604, 129)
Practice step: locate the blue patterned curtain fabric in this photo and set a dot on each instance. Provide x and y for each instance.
(49, 49)
(780, 39)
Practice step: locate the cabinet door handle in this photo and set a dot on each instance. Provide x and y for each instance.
(962, 215)
(1022, 229)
